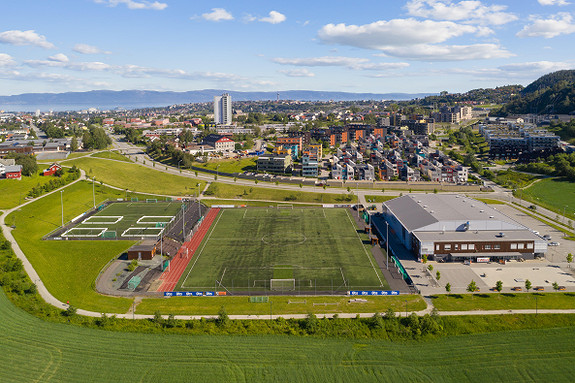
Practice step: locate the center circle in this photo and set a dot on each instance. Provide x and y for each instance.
(284, 238)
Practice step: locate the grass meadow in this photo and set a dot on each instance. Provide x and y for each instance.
(131, 176)
(231, 191)
(230, 166)
(320, 249)
(552, 193)
(14, 192)
(33, 350)
(111, 155)
(68, 268)
(504, 301)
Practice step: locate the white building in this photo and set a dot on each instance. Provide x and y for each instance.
(223, 109)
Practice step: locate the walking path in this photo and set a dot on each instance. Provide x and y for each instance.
(49, 298)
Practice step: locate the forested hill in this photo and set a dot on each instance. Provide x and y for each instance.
(552, 93)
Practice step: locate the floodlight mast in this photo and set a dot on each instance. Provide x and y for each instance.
(62, 203)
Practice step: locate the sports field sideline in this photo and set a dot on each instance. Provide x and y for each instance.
(263, 249)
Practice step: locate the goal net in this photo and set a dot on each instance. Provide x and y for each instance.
(282, 284)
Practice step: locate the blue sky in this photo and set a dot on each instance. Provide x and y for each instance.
(364, 46)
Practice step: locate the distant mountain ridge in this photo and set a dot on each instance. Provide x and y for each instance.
(147, 98)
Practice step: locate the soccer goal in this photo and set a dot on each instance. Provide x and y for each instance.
(151, 200)
(282, 284)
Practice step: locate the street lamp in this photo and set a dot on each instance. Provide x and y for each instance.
(179, 165)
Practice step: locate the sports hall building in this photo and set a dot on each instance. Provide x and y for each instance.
(451, 227)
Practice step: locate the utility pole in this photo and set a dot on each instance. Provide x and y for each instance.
(183, 222)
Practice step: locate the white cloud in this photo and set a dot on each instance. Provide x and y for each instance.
(60, 57)
(131, 4)
(297, 73)
(470, 11)
(16, 37)
(60, 62)
(429, 52)
(89, 49)
(559, 24)
(413, 39)
(218, 14)
(536, 67)
(397, 32)
(6, 60)
(553, 2)
(274, 17)
(347, 62)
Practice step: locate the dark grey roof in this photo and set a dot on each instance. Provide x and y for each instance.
(410, 213)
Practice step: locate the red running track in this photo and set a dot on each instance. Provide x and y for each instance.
(178, 264)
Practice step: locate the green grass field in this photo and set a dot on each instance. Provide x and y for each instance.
(230, 166)
(111, 155)
(14, 192)
(379, 198)
(504, 301)
(240, 305)
(127, 219)
(131, 176)
(69, 268)
(32, 350)
(229, 191)
(320, 249)
(552, 193)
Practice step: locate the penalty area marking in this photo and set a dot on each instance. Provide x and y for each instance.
(143, 219)
(118, 218)
(91, 229)
(141, 230)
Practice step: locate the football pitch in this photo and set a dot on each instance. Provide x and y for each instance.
(126, 220)
(310, 250)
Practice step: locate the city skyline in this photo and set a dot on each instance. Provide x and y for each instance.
(371, 46)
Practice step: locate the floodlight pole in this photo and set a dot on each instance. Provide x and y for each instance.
(62, 203)
(93, 191)
(183, 222)
(387, 245)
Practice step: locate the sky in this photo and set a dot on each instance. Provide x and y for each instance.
(377, 46)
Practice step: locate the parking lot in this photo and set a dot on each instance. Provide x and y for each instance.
(513, 274)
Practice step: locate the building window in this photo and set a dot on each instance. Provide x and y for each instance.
(487, 247)
(530, 246)
(496, 247)
(447, 247)
(455, 247)
(464, 246)
(513, 246)
(471, 246)
(437, 247)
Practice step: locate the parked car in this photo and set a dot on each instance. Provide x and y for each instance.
(553, 243)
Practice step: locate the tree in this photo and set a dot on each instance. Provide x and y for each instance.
(437, 275)
(555, 286)
(424, 258)
(498, 286)
(28, 162)
(223, 319)
(569, 259)
(528, 285)
(448, 287)
(74, 144)
(472, 286)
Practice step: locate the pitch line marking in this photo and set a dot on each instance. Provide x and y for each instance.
(364, 249)
(203, 247)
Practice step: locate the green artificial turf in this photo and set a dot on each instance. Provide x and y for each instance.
(245, 248)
